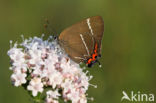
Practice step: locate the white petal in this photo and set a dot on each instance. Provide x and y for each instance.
(34, 93)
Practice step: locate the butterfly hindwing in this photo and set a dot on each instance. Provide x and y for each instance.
(97, 25)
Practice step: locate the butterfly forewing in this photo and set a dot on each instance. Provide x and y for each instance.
(79, 39)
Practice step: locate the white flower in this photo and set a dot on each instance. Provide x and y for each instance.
(35, 57)
(74, 95)
(47, 72)
(66, 66)
(84, 81)
(67, 85)
(53, 57)
(55, 79)
(48, 66)
(16, 54)
(18, 78)
(37, 70)
(83, 100)
(53, 94)
(18, 60)
(35, 86)
(50, 100)
(18, 66)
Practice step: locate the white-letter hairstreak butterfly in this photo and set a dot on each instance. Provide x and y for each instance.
(82, 41)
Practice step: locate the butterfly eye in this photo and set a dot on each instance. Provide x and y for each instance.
(55, 37)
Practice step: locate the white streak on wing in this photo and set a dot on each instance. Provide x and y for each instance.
(79, 58)
(85, 55)
(90, 28)
(84, 44)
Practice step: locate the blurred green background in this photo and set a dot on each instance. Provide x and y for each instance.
(128, 50)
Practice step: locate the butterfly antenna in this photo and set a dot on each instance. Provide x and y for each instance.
(48, 28)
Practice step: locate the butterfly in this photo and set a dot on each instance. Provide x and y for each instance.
(82, 41)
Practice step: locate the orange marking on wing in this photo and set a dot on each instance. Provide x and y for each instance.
(93, 57)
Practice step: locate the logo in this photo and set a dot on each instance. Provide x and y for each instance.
(138, 96)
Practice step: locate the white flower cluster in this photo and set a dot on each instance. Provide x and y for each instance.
(40, 64)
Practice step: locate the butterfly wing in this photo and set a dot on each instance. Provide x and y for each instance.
(79, 39)
(97, 26)
(77, 42)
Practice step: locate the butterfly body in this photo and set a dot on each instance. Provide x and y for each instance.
(82, 41)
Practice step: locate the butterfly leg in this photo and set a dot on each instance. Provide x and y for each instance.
(99, 64)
